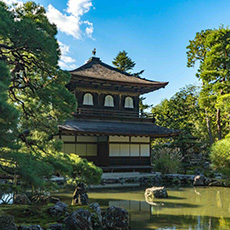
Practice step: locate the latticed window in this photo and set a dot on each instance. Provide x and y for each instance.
(109, 102)
(129, 103)
(88, 99)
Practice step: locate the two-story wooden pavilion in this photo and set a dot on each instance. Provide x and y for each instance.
(108, 127)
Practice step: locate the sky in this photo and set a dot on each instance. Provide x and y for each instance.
(155, 33)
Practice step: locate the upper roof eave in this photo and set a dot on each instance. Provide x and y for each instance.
(96, 69)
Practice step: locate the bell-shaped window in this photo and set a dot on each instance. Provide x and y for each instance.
(88, 99)
(109, 102)
(129, 103)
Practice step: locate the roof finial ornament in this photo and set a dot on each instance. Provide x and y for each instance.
(94, 52)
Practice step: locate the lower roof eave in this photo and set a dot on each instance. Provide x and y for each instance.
(120, 134)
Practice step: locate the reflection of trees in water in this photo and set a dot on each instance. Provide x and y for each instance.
(196, 208)
(150, 215)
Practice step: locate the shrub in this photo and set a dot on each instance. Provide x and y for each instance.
(220, 156)
(166, 160)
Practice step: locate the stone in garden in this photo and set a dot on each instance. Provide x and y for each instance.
(96, 217)
(215, 183)
(218, 175)
(58, 209)
(7, 223)
(199, 180)
(21, 199)
(55, 227)
(79, 220)
(116, 219)
(80, 196)
(30, 227)
(157, 192)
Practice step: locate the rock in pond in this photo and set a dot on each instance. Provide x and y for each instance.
(80, 196)
(58, 209)
(116, 219)
(79, 220)
(7, 223)
(157, 192)
(199, 180)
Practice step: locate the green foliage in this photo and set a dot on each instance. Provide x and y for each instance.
(8, 114)
(220, 155)
(84, 171)
(33, 96)
(166, 160)
(143, 106)
(182, 112)
(123, 62)
(211, 49)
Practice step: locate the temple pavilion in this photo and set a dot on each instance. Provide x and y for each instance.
(108, 127)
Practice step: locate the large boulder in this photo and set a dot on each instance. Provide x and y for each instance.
(96, 215)
(157, 192)
(21, 199)
(79, 220)
(199, 180)
(116, 219)
(7, 223)
(58, 209)
(80, 196)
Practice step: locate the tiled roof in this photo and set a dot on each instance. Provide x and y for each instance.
(117, 128)
(96, 69)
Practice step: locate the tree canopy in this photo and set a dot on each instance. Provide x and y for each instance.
(123, 62)
(211, 49)
(33, 96)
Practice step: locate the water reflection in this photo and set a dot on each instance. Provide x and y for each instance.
(186, 208)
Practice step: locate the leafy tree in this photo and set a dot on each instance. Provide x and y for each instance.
(211, 48)
(29, 52)
(182, 112)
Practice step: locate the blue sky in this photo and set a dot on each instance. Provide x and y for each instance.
(155, 34)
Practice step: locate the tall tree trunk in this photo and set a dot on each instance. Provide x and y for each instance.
(218, 124)
(208, 124)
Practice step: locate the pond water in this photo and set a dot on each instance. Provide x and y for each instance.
(186, 208)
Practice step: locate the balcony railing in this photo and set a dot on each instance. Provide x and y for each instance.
(112, 113)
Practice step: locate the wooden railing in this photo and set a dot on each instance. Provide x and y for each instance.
(112, 113)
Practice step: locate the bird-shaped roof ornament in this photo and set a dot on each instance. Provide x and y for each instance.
(94, 52)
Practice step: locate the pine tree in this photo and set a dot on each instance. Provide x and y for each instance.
(33, 96)
(123, 62)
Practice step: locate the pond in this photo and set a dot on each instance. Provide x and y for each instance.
(197, 208)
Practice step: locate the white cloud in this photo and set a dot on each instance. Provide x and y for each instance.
(71, 23)
(66, 62)
(10, 2)
(79, 7)
(89, 30)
